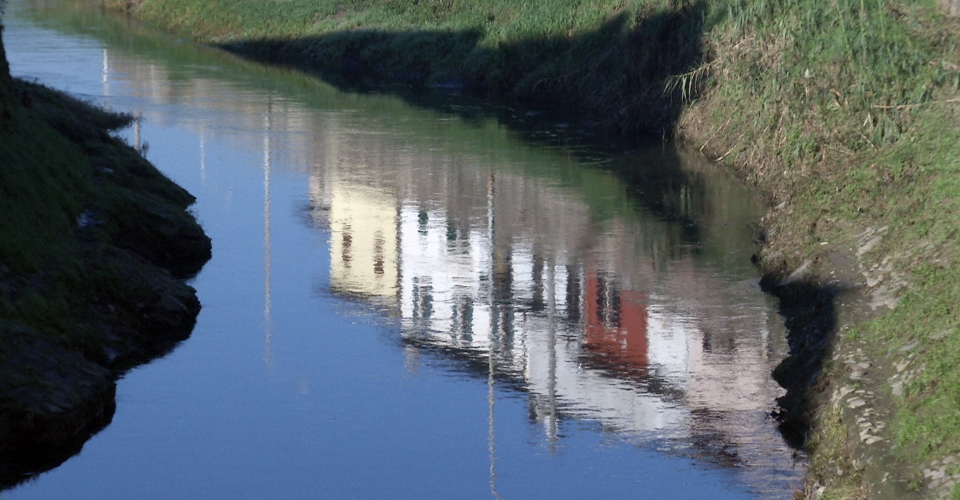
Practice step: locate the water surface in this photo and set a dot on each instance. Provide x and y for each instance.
(412, 303)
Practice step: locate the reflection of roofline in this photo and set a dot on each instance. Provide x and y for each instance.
(652, 383)
(472, 362)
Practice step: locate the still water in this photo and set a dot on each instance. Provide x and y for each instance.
(420, 301)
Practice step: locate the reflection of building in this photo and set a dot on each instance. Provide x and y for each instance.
(616, 325)
(516, 272)
(363, 242)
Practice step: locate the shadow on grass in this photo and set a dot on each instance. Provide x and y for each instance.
(614, 77)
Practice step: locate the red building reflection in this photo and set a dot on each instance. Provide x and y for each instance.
(616, 325)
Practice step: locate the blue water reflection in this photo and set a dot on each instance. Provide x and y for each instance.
(405, 305)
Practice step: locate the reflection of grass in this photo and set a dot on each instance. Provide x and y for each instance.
(647, 184)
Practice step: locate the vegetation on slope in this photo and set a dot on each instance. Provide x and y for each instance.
(93, 241)
(848, 115)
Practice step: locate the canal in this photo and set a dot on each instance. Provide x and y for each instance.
(421, 301)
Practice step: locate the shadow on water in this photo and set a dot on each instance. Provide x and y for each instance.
(810, 317)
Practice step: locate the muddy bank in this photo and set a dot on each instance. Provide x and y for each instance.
(96, 246)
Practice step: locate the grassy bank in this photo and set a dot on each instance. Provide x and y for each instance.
(845, 114)
(848, 116)
(94, 243)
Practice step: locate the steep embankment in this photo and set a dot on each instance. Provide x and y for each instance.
(94, 246)
(845, 114)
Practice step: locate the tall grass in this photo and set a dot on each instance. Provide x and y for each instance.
(847, 72)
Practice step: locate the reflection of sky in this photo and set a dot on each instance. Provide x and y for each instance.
(479, 269)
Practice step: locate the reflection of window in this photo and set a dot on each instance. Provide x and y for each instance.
(378, 252)
(538, 303)
(422, 219)
(713, 342)
(573, 294)
(451, 230)
(345, 246)
(422, 298)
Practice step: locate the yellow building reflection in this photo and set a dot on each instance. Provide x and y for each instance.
(363, 242)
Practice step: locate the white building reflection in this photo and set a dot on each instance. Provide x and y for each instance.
(596, 320)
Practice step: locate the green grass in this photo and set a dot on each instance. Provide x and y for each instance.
(928, 422)
(46, 183)
(60, 163)
(830, 448)
(39, 199)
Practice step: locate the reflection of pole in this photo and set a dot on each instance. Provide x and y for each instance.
(552, 351)
(136, 132)
(203, 155)
(267, 304)
(494, 327)
(106, 73)
(491, 437)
